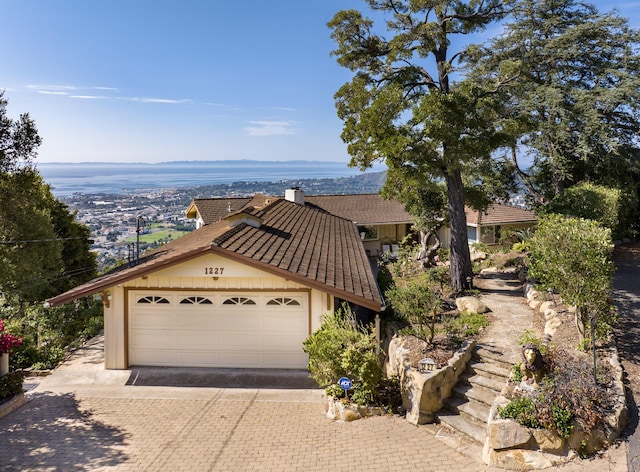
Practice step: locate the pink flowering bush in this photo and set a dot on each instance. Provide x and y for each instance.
(8, 341)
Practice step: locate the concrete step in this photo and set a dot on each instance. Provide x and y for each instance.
(478, 380)
(490, 370)
(477, 393)
(469, 409)
(490, 354)
(472, 430)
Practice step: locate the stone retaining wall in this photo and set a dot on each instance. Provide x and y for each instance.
(423, 394)
(512, 446)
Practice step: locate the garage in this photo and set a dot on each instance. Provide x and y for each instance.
(241, 292)
(218, 329)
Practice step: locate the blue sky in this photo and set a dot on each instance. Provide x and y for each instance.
(153, 81)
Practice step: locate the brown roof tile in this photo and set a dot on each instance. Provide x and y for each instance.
(498, 213)
(364, 209)
(301, 243)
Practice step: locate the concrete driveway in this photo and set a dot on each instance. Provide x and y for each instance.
(86, 418)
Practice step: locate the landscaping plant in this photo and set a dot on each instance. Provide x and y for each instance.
(418, 304)
(342, 347)
(573, 257)
(567, 397)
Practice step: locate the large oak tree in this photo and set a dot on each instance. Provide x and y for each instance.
(409, 105)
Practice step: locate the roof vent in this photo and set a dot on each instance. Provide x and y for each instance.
(244, 217)
(295, 195)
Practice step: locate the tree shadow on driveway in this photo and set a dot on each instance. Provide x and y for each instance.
(51, 432)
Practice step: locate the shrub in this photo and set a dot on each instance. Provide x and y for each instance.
(10, 385)
(522, 410)
(418, 305)
(611, 207)
(48, 334)
(573, 257)
(341, 347)
(568, 395)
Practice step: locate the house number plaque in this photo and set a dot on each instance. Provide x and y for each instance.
(213, 270)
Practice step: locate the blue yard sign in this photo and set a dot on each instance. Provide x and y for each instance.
(345, 383)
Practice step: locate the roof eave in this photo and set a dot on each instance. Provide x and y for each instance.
(101, 283)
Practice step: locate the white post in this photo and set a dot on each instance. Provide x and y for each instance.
(4, 363)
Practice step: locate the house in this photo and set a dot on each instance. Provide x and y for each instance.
(489, 225)
(242, 291)
(381, 223)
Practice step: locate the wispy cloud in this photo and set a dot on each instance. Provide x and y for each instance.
(107, 93)
(157, 100)
(90, 97)
(270, 128)
(52, 92)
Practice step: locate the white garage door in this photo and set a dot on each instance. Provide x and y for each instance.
(218, 329)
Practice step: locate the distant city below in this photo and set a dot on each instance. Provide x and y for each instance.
(115, 178)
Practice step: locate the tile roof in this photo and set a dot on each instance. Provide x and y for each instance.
(365, 209)
(298, 242)
(362, 208)
(499, 214)
(214, 209)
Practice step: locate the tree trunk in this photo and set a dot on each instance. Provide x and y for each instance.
(427, 254)
(461, 270)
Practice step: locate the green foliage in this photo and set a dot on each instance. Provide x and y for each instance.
(49, 334)
(574, 99)
(343, 348)
(45, 250)
(418, 304)
(465, 324)
(608, 206)
(567, 396)
(522, 410)
(573, 257)
(10, 385)
(529, 337)
(425, 127)
(516, 373)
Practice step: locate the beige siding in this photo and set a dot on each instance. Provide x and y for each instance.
(198, 274)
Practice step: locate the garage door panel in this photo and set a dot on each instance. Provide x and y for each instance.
(193, 340)
(276, 322)
(152, 339)
(150, 320)
(160, 357)
(196, 321)
(241, 359)
(237, 341)
(215, 334)
(277, 342)
(236, 321)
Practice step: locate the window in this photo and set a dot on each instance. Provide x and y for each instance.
(196, 301)
(472, 234)
(239, 301)
(153, 299)
(368, 233)
(491, 234)
(283, 301)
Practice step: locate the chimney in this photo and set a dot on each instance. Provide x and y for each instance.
(295, 195)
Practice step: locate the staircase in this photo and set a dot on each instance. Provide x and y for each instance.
(467, 409)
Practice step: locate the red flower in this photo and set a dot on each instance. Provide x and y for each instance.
(8, 341)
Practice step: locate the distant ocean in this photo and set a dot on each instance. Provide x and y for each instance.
(90, 178)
